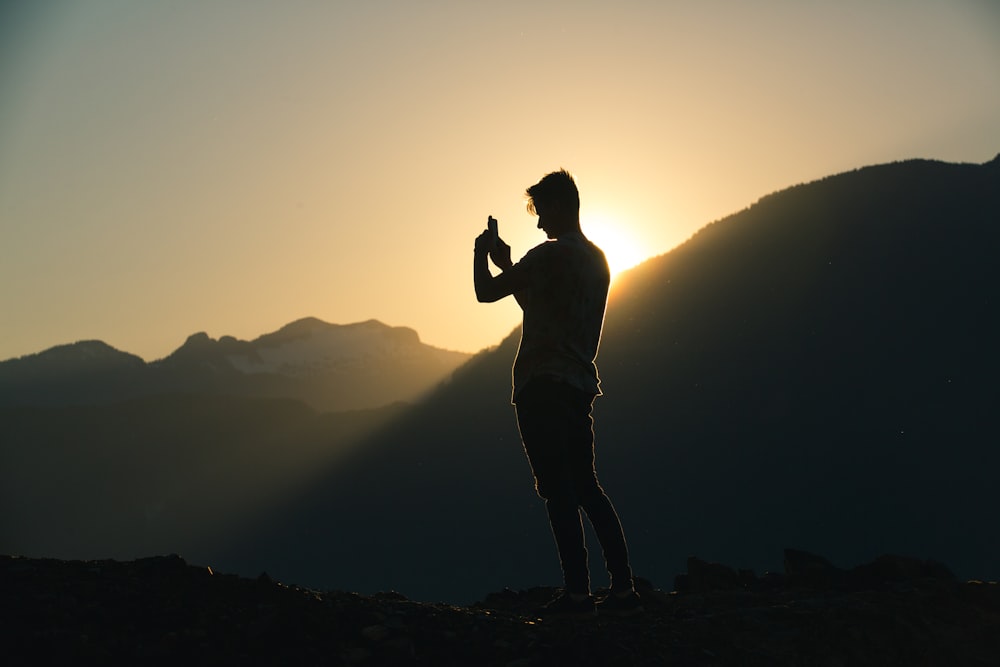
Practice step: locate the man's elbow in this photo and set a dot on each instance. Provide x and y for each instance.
(490, 289)
(484, 296)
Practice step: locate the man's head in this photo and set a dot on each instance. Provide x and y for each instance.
(556, 202)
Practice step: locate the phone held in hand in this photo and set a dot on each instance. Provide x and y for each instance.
(491, 224)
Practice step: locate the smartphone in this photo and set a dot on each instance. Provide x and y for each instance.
(491, 224)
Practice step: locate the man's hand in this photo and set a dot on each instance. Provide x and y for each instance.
(500, 254)
(498, 250)
(491, 288)
(484, 242)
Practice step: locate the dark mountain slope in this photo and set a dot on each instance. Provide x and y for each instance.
(103, 455)
(814, 371)
(823, 363)
(157, 474)
(89, 368)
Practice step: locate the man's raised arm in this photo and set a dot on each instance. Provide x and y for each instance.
(490, 288)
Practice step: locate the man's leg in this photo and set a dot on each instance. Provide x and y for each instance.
(567, 529)
(608, 528)
(544, 419)
(595, 501)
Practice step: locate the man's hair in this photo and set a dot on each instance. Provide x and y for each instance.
(557, 187)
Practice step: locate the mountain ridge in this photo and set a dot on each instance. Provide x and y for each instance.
(299, 328)
(308, 359)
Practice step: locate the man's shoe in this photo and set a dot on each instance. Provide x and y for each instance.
(617, 605)
(565, 606)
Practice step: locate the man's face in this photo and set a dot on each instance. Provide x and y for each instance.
(551, 219)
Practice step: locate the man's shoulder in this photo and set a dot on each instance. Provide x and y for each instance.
(586, 254)
(568, 244)
(540, 252)
(570, 250)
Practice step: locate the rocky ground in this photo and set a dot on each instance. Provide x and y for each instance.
(160, 611)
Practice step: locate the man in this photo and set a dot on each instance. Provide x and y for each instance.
(562, 288)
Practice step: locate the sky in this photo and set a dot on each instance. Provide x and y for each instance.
(229, 166)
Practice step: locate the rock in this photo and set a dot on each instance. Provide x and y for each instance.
(356, 655)
(390, 595)
(395, 622)
(375, 633)
(401, 646)
(703, 576)
(901, 568)
(805, 569)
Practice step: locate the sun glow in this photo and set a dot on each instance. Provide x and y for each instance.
(619, 246)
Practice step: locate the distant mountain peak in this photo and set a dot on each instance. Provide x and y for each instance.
(304, 326)
(309, 326)
(199, 346)
(312, 327)
(25, 379)
(82, 351)
(87, 348)
(200, 339)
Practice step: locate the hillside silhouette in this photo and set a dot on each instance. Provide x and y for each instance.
(815, 371)
(158, 474)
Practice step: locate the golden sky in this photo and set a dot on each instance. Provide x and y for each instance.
(229, 166)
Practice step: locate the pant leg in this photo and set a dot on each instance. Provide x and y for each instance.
(545, 420)
(607, 525)
(594, 500)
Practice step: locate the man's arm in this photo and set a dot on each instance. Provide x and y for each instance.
(500, 254)
(490, 288)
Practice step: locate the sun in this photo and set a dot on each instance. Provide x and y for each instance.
(611, 236)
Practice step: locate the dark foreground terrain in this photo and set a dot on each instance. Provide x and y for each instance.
(893, 611)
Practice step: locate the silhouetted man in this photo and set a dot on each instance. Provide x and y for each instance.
(562, 288)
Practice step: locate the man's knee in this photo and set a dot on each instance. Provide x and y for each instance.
(587, 488)
(558, 487)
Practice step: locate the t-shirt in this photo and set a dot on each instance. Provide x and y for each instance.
(563, 308)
